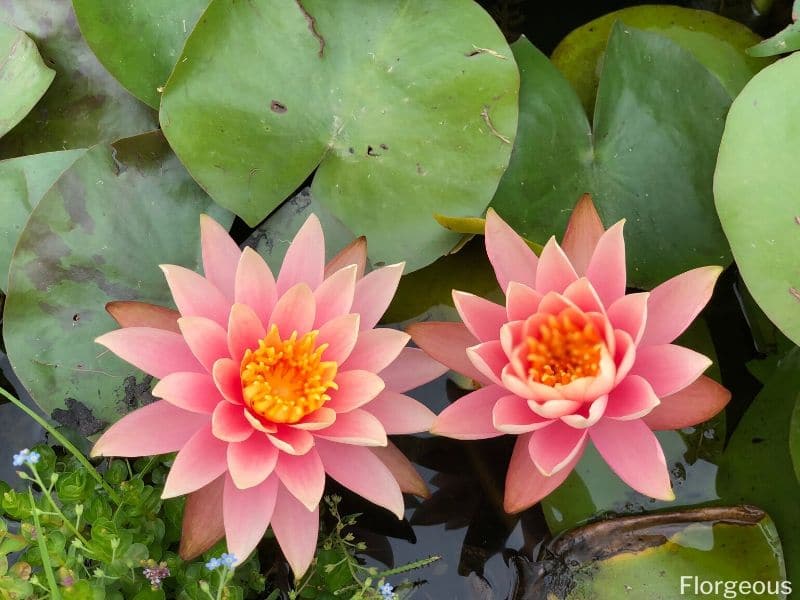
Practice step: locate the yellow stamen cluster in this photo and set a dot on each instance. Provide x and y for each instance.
(563, 351)
(285, 380)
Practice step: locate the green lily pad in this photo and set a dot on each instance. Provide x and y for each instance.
(84, 105)
(98, 235)
(143, 63)
(23, 182)
(755, 187)
(401, 113)
(794, 438)
(24, 78)
(649, 157)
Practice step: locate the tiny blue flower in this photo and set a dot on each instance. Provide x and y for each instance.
(26, 457)
(387, 591)
(214, 563)
(227, 559)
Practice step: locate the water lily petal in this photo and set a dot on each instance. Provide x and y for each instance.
(251, 461)
(633, 398)
(511, 414)
(482, 317)
(584, 230)
(244, 331)
(606, 269)
(357, 427)
(304, 261)
(447, 343)
(375, 349)
(554, 408)
(411, 369)
(201, 460)
(521, 301)
(294, 311)
(340, 333)
(356, 388)
(334, 296)
(669, 368)
(552, 448)
(555, 272)
(130, 313)
(229, 423)
(470, 417)
(319, 419)
(220, 256)
(583, 295)
(207, 340)
(296, 529)
(227, 378)
(247, 515)
(629, 313)
(291, 440)
(303, 476)
(597, 409)
(255, 284)
(196, 296)
(694, 404)
(195, 392)
(490, 359)
(402, 470)
(511, 258)
(157, 352)
(202, 525)
(374, 292)
(355, 253)
(400, 414)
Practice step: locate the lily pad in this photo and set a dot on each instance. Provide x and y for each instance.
(401, 113)
(755, 187)
(24, 77)
(143, 63)
(649, 157)
(794, 438)
(98, 235)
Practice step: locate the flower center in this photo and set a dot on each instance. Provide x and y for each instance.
(563, 351)
(285, 380)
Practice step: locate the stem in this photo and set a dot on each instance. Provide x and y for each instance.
(48, 569)
(48, 495)
(223, 579)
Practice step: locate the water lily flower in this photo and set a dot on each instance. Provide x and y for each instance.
(571, 359)
(267, 384)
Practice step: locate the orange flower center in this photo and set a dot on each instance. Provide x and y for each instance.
(285, 380)
(563, 351)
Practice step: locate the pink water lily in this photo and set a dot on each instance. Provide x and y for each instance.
(268, 384)
(571, 359)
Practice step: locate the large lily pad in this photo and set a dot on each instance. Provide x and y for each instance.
(98, 235)
(143, 63)
(756, 185)
(649, 157)
(23, 76)
(406, 107)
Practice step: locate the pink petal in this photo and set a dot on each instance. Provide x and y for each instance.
(584, 229)
(400, 414)
(255, 284)
(196, 296)
(511, 258)
(202, 525)
(157, 428)
(259, 424)
(669, 368)
(375, 349)
(625, 354)
(356, 388)
(340, 334)
(633, 452)
(633, 398)
(229, 423)
(356, 427)
(629, 313)
(201, 460)
(355, 253)
(587, 389)
(247, 514)
(694, 404)
(525, 485)
(482, 317)
(321, 418)
(334, 296)
(511, 414)
(296, 529)
(555, 272)
(359, 470)
(303, 476)
(129, 313)
(411, 369)
(554, 447)
(583, 295)
(578, 420)
(674, 304)
(447, 343)
(402, 470)
(554, 408)
(250, 462)
(244, 331)
(227, 378)
(291, 440)
(294, 311)
(305, 258)
(220, 256)
(157, 352)
(206, 339)
(490, 359)
(606, 269)
(470, 417)
(374, 293)
(521, 301)
(194, 392)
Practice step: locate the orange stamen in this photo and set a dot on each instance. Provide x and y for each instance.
(563, 351)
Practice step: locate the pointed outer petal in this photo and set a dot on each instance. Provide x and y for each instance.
(305, 258)
(201, 460)
(629, 313)
(490, 359)
(250, 462)
(355, 253)
(247, 514)
(446, 343)
(359, 470)
(555, 272)
(525, 485)
(206, 339)
(229, 423)
(291, 440)
(303, 476)
(584, 230)
(157, 352)
(202, 520)
(511, 258)
(129, 313)
(340, 333)
(470, 417)
(596, 411)
(694, 404)
(411, 369)
(227, 378)
(554, 409)
(669, 368)
(553, 303)
(402, 470)
(196, 296)
(584, 296)
(674, 304)
(588, 389)
(294, 311)
(606, 270)
(356, 388)
(482, 317)
(157, 428)
(375, 349)
(625, 354)
(255, 284)
(194, 392)
(553, 448)
(220, 256)
(521, 301)
(633, 452)
(357, 427)
(633, 398)
(244, 331)
(334, 296)
(258, 424)
(374, 292)
(320, 419)
(296, 529)
(400, 414)
(511, 414)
